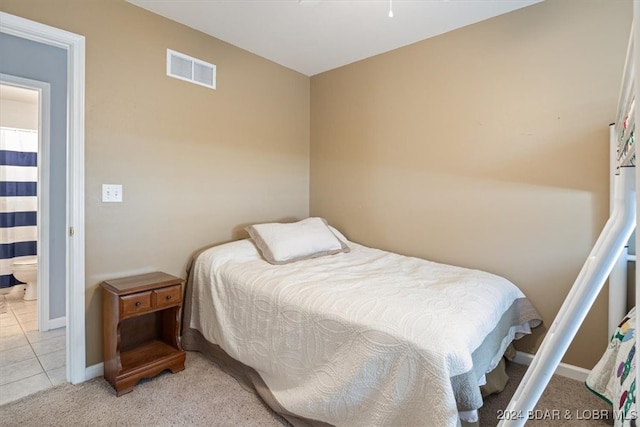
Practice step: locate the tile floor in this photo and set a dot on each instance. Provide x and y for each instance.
(30, 360)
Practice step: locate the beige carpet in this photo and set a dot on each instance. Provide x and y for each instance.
(3, 304)
(202, 395)
(564, 402)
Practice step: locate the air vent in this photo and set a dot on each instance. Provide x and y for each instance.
(185, 67)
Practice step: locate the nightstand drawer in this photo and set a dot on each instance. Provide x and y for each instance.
(168, 296)
(134, 304)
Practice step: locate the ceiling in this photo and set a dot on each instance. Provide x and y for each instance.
(313, 36)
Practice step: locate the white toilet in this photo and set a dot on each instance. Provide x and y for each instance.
(26, 270)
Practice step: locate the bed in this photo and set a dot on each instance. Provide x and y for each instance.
(331, 332)
(614, 376)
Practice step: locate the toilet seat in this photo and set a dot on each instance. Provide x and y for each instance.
(26, 261)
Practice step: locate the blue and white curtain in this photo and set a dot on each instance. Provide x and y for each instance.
(18, 198)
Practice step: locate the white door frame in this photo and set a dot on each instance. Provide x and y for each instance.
(75, 276)
(44, 138)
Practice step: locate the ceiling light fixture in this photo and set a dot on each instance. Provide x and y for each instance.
(390, 8)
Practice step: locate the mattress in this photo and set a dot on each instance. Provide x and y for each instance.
(365, 338)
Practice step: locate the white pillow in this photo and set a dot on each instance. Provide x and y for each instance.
(338, 234)
(282, 243)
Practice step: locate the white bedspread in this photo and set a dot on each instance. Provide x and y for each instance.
(367, 338)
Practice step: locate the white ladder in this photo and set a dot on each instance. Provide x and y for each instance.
(594, 273)
(603, 257)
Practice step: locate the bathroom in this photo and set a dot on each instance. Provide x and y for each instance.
(31, 359)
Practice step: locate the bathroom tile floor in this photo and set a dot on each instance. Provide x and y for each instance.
(30, 360)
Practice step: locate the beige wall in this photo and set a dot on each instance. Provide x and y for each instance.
(18, 114)
(485, 147)
(195, 164)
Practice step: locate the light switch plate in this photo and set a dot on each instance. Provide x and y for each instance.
(112, 193)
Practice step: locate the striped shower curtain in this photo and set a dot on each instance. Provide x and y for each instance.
(18, 198)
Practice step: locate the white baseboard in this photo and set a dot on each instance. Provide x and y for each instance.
(564, 369)
(94, 371)
(59, 322)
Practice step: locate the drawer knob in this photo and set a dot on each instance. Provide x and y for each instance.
(168, 297)
(138, 303)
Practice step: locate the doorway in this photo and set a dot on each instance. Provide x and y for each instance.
(72, 237)
(25, 167)
(32, 345)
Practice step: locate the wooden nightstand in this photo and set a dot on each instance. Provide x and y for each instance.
(141, 316)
